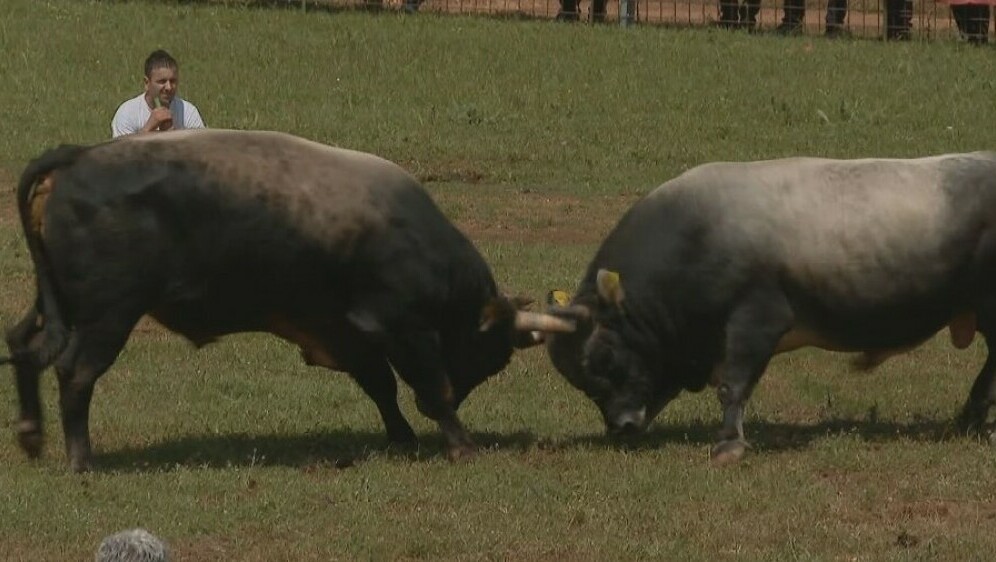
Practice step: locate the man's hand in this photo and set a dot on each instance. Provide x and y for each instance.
(160, 120)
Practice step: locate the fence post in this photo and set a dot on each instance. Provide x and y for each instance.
(627, 9)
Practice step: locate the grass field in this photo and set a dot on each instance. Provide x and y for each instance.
(533, 137)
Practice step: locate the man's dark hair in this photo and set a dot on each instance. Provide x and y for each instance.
(158, 59)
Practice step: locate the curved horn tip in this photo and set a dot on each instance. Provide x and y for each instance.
(535, 321)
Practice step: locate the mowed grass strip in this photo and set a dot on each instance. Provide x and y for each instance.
(534, 138)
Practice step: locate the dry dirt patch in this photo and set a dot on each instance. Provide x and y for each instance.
(499, 214)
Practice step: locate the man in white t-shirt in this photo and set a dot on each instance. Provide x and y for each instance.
(158, 108)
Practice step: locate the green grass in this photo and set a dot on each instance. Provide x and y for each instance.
(533, 137)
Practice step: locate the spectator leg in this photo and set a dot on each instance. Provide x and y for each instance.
(899, 19)
(792, 18)
(598, 11)
(748, 14)
(569, 10)
(836, 12)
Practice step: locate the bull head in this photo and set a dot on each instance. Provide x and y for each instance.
(600, 362)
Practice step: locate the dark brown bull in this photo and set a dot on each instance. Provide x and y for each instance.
(217, 232)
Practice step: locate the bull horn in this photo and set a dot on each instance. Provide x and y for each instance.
(536, 321)
(577, 311)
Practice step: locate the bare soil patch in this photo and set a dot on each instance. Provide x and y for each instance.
(865, 18)
(495, 214)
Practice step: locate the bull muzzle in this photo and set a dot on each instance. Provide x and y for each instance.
(627, 423)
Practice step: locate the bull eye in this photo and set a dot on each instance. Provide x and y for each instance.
(600, 361)
(618, 374)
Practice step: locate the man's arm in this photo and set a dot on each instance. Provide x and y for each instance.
(126, 123)
(120, 125)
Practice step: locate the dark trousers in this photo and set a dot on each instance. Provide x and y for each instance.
(972, 21)
(795, 13)
(735, 14)
(836, 12)
(898, 19)
(570, 10)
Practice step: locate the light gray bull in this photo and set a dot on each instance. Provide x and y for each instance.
(716, 271)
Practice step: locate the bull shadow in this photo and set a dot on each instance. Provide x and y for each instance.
(344, 448)
(341, 449)
(773, 437)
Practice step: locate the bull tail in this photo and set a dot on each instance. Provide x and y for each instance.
(32, 192)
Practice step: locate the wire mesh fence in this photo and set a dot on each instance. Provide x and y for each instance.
(892, 19)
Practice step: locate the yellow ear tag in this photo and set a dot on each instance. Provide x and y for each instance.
(561, 298)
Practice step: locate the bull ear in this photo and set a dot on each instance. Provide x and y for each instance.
(609, 287)
(502, 309)
(496, 310)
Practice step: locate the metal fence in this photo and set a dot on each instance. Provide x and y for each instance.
(909, 19)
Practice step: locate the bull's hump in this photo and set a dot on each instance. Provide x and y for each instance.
(319, 188)
(264, 154)
(846, 227)
(844, 199)
(814, 174)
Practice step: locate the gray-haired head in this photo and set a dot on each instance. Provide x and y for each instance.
(133, 545)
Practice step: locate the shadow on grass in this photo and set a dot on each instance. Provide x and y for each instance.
(341, 449)
(766, 436)
(344, 449)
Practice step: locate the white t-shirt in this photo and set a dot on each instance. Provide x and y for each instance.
(132, 115)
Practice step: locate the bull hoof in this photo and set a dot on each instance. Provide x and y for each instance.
(31, 439)
(79, 466)
(971, 421)
(728, 452)
(404, 439)
(461, 452)
(403, 448)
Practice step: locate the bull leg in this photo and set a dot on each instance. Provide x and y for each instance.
(752, 334)
(418, 360)
(982, 396)
(377, 381)
(21, 339)
(975, 413)
(91, 351)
